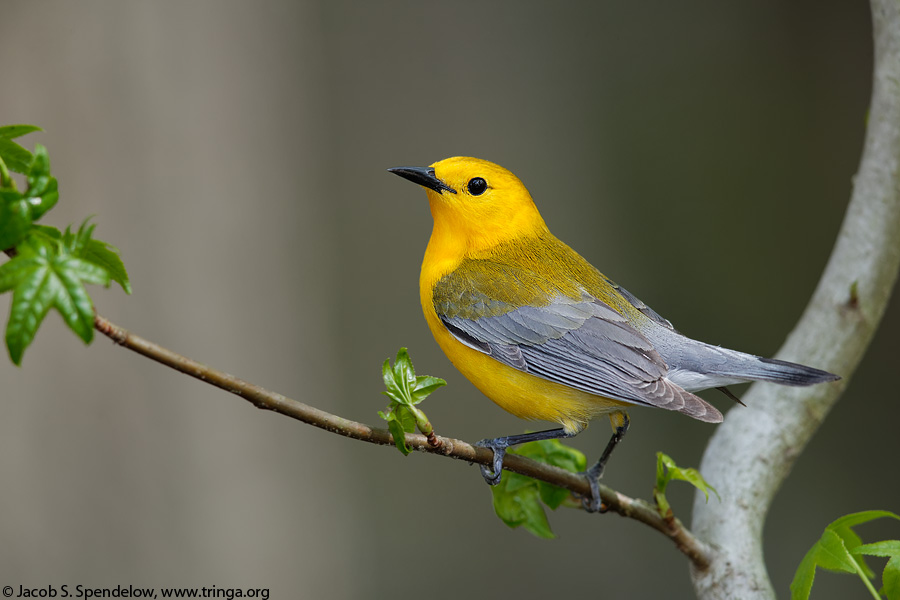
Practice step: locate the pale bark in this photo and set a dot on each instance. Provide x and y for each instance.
(753, 451)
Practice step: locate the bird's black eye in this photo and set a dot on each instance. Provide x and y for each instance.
(477, 186)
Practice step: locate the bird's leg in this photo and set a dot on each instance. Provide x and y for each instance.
(499, 445)
(619, 421)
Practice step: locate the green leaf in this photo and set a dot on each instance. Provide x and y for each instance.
(76, 242)
(106, 256)
(801, 586)
(406, 390)
(13, 155)
(424, 386)
(401, 415)
(15, 218)
(885, 548)
(516, 501)
(397, 431)
(890, 577)
(835, 549)
(81, 245)
(17, 158)
(829, 553)
(853, 519)
(18, 211)
(46, 233)
(833, 554)
(553, 452)
(13, 131)
(519, 500)
(45, 275)
(404, 374)
(42, 187)
(667, 471)
(843, 527)
(394, 391)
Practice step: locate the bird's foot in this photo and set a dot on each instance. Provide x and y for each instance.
(498, 445)
(593, 504)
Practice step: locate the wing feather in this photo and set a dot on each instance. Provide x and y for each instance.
(582, 343)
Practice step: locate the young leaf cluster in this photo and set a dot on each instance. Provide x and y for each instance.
(48, 269)
(406, 390)
(667, 471)
(519, 500)
(840, 549)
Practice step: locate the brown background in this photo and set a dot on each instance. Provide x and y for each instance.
(700, 153)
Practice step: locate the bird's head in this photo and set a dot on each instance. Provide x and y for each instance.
(476, 202)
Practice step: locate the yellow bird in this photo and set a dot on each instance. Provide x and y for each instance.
(543, 333)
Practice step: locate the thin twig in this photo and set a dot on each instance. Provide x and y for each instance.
(698, 552)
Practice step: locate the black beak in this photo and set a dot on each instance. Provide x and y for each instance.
(424, 176)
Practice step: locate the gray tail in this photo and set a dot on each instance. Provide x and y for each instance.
(756, 368)
(787, 373)
(697, 366)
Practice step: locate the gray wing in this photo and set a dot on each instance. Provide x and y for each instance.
(583, 344)
(639, 304)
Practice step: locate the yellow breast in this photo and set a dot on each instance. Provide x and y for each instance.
(524, 395)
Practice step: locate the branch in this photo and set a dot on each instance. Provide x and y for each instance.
(639, 510)
(753, 451)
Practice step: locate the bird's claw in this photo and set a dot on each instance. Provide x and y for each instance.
(493, 473)
(593, 504)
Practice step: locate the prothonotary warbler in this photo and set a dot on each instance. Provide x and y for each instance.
(543, 333)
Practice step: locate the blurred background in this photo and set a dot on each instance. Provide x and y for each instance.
(700, 153)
